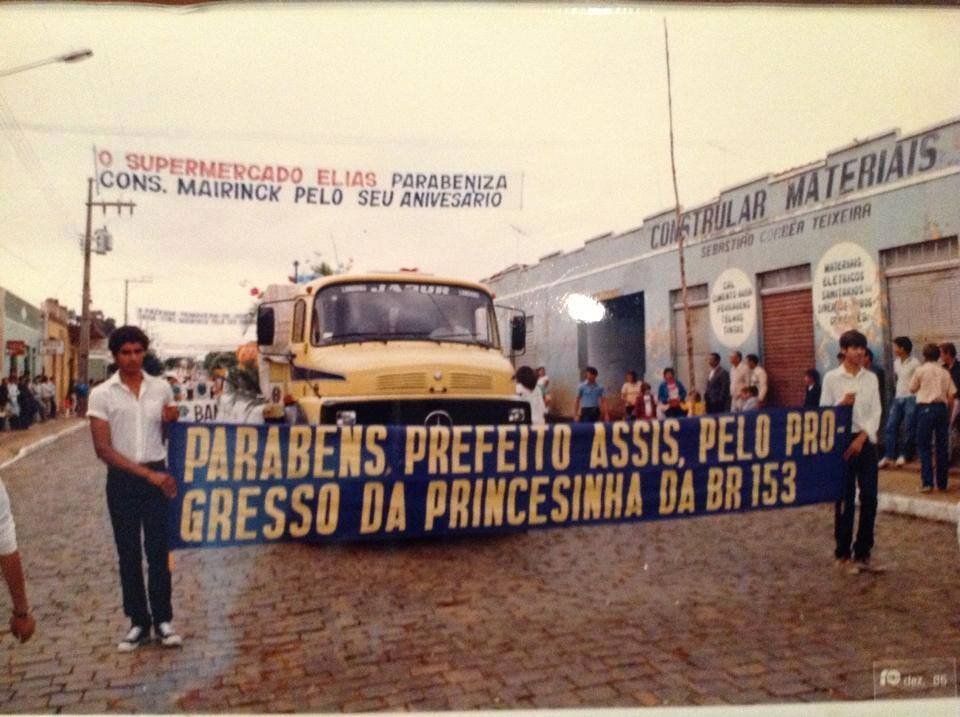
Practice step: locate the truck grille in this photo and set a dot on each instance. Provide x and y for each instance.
(402, 382)
(470, 382)
(473, 411)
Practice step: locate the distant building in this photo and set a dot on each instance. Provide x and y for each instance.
(100, 356)
(779, 266)
(58, 355)
(21, 333)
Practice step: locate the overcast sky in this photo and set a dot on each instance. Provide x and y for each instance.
(569, 101)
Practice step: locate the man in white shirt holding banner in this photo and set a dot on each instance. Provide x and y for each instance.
(126, 415)
(22, 623)
(852, 385)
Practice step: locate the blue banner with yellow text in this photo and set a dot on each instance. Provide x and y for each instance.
(241, 484)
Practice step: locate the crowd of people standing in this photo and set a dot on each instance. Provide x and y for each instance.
(921, 414)
(24, 402)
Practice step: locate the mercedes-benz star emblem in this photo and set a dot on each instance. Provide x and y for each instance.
(438, 418)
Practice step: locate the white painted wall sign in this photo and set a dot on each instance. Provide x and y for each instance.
(846, 289)
(733, 307)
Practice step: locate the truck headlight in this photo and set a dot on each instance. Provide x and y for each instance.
(517, 415)
(346, 418)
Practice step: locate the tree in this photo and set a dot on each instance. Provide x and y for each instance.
(152, 364)
(219, 359)
(322, 269)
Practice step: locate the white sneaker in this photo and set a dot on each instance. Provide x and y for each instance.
(168, 636)
(900, 461)
(135, 637)
(883, 463)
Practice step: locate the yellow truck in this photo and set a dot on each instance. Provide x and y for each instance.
(393, 348)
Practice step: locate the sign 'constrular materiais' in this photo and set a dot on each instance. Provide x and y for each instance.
(250, 484)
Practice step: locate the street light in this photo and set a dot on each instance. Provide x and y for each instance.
(75, 56)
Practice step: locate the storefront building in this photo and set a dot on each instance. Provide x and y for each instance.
(779, 266)
(21, 332)
(58, 358)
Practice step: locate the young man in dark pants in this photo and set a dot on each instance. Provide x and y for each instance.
(126, 415)
(852, 385)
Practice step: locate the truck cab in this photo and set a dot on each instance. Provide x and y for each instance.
(394, 348)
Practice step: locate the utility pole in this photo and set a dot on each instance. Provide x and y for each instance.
(126, 293)
(83, 373)
(679, 225)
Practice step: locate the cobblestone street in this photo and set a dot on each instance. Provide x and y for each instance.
(735, 609)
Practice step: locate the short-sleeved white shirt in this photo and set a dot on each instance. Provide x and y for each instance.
(538, 410)
(866, 406)
(135, 422)
(904, 371)
(8, 531)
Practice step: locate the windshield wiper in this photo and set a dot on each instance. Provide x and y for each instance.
(358, 335)
(473, 339)
(451, 335)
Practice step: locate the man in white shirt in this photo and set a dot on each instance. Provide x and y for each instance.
(13, 401)
(543, 385)
(904, 406)
(758, 378)
(126, 414)
(852, 385)
(528, 390)
(22, 623)
(739, 379)
(48, 391)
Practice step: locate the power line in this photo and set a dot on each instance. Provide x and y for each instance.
(303, 138)
(19, 258)
(29, 159)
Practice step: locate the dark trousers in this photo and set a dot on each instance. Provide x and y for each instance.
(862, 473)
(137, 506)
(902, 411)
(933, 422)
(589, 415)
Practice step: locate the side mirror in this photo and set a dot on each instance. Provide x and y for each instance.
(518, 334)
(265, 326)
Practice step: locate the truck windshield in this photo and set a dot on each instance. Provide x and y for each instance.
(398, 311)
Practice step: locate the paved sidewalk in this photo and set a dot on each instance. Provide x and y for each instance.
(900, 493)
(12, 442)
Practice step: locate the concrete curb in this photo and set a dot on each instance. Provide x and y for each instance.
(45, 441)
(918, 507)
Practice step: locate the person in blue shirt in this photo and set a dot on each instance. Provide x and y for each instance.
(671, 394)
(590, 404)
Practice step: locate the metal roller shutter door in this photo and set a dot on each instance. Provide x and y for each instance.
(926, 306)
(787, 344)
